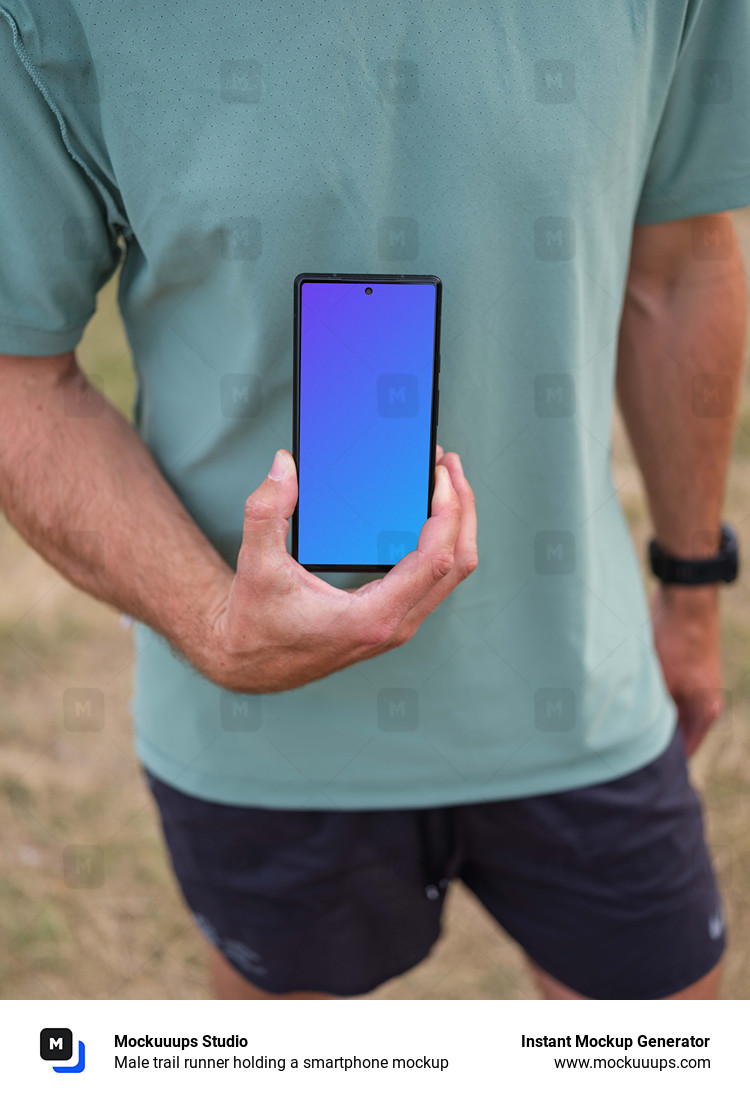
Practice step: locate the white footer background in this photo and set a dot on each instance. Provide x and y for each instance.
(480, 1039)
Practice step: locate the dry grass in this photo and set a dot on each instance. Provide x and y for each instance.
(131, 936)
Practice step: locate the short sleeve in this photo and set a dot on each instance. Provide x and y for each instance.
(700, 160)
(57, 247)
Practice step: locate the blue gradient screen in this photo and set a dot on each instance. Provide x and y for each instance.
(365, 404)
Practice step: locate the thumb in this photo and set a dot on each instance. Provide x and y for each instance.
(267, 511)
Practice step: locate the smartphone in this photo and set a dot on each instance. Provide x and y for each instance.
(366, 364)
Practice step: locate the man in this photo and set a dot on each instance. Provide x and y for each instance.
(327, 757)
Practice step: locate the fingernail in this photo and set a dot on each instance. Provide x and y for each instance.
(279, 469)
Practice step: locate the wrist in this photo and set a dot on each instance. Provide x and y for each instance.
(198, 633)
(691, 600)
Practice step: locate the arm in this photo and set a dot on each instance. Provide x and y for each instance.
(268, 626)
(684, 318)
(61, 474)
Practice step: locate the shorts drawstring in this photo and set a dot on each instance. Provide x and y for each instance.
(436, 842)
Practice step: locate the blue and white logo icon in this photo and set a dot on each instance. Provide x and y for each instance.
(56, 1045)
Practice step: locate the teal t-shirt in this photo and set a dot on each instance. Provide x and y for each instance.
(508, 148)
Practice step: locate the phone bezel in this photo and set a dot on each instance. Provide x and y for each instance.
(323, 277)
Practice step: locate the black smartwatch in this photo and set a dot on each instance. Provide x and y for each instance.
(722, 567)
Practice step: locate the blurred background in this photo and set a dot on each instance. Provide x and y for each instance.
(88, 907)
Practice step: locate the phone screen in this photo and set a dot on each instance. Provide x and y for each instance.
(366, 377)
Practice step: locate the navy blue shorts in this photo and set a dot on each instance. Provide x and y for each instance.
(608, 888)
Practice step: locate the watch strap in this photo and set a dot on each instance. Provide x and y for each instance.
(721, 567)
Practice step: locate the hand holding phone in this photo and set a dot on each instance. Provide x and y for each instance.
(278, 626)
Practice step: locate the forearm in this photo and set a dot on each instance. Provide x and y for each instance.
(86, 493)
(678, 383)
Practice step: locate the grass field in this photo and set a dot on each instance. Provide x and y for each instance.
(118, 928)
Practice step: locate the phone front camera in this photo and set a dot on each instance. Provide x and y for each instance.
(368, 290)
